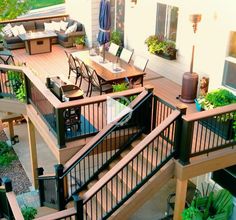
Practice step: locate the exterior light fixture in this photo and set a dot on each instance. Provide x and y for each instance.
(133, 3)
(190, 79)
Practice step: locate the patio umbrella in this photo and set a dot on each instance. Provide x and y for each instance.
(104, 24)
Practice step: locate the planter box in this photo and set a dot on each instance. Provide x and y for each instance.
(166, 56)
(223, 129)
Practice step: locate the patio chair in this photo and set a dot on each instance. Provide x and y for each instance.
(139, 63)
(85, 74)
(126, 55)
(97, 82)
(113, 49)
(74, 66)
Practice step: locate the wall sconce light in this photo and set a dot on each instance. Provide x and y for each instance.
(133, 3)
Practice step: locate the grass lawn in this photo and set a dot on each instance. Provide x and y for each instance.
(46, 3)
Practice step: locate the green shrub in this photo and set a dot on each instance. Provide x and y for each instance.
(7, 155)
(29, 212)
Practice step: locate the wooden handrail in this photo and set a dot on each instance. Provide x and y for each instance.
(33, 18)
(209, 113)
(59, 215)
(96, 138)
(100, 98)
(11, 197)
(122, 163)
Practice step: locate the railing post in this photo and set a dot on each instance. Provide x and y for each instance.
(78, 202)
(8, 188)
(60, 187)
(27, 89)
(186, 142)
(178, 129)
(40, 171)
(148, 112)
(60, 128)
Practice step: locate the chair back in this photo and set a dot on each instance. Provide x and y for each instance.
(94, 79)
(84, 71)
(113, 49)
(126, 55)
(140, 63)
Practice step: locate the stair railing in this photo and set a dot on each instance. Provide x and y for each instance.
(147, 158)
(89, 161)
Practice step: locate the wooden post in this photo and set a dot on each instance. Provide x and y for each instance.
(60, 187)
(180, 198)
(33, 152)
(78, 203)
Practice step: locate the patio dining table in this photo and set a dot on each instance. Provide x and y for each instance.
(107, 71)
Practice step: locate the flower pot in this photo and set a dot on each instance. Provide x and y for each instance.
(79, 46)
(167, 56)
(198, 106)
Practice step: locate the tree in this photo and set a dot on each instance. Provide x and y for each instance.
(11, 9)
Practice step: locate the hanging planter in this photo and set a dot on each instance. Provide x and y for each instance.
(159, 46)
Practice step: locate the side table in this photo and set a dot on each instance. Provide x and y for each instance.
(6, 57)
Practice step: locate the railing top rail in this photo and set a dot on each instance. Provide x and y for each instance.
(33, 18)
(122, 163)
(100, 98)
(36, 81)
(95, 140)
(11, 197)
(209, 113)
(59, 215)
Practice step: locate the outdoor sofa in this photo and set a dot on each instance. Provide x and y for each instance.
(38, 24)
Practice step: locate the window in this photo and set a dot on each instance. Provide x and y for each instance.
(118, 15)
(167, 19)
(229, 77)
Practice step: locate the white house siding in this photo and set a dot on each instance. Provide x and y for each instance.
(218, 19)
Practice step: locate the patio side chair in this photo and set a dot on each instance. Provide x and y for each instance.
(97, 82)
(74, 66)
(113, 49)
(139, 63)
(85, 75)
(126, 55)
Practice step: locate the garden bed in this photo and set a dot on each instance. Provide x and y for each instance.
(16, 173)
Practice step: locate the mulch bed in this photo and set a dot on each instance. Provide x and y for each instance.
(16, 173)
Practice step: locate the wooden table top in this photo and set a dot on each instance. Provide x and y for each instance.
(129, 70)
(37, 35)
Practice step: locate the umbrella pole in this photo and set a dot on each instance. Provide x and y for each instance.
(103, 52)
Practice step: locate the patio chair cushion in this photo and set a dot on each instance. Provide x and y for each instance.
(62, 36)
(12, 40)
(7, 30)
(29, 25)
(39, 25)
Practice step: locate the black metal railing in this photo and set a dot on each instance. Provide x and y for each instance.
(12, 84)
(132, 172)
(117, 137)
(207, 131)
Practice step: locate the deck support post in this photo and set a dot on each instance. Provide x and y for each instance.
(33, 152)
(180, 198)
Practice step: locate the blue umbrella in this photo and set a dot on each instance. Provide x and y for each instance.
(104, 24)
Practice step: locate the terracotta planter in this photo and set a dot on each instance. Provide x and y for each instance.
(79, 46)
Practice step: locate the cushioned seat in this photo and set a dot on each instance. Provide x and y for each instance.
(62, 36)
(12, 40)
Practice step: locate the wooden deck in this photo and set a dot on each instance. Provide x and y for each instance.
(55, 63)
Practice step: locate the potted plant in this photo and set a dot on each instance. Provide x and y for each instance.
(223, 126)
(215, 206)
(116, 38)
(80, 42)
(162, 47)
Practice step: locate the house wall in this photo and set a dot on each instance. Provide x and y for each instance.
(218, 18)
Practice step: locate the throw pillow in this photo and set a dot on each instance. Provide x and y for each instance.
(71, 29)
(64, 25)
(21, 29)
(48, 27)
(15, 31)
(56, 25)
(7, 30)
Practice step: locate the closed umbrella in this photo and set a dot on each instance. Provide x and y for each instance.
(104, 24)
